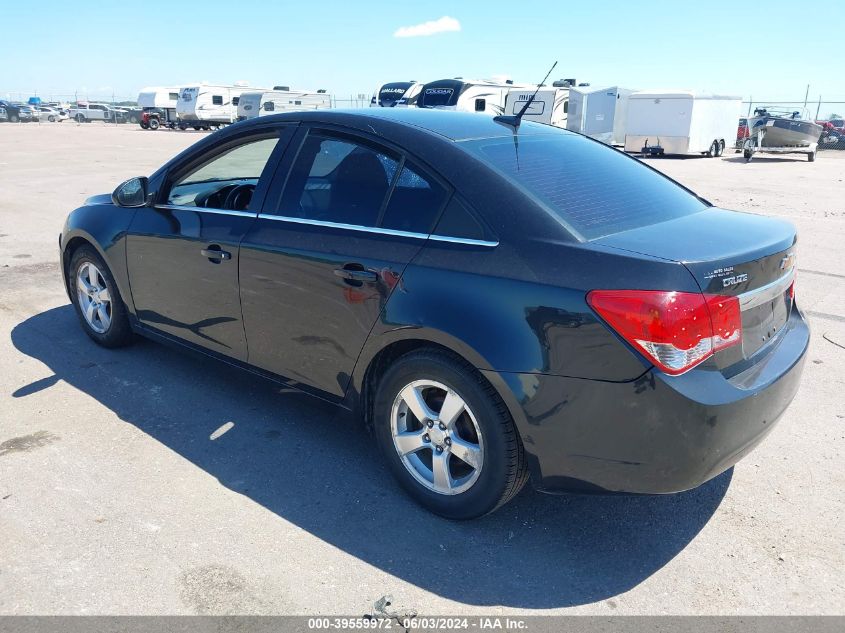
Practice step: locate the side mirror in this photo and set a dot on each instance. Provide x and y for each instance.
(132, 193)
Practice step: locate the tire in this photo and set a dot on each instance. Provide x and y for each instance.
(107, 322)
(80, 118)
(714, 150)
(51, 119)
(133, 119)
(154, 124)
(721, 148)
(812, 157)
(747, 154)
(483, 430)
(14, 118)
(183, 126)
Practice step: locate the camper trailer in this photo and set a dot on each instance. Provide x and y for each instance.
(599, 113)
(391, 94)
(162, 101)
(206, 105)
(255, 103)
(681, 122)
(487, 96)
(549, 106)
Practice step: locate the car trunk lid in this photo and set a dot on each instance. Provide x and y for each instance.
(733, 254)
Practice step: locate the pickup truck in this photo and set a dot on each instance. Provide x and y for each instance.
(86, 112)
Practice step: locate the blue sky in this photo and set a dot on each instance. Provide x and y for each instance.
(349, 46)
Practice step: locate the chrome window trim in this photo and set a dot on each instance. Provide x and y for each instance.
(764, 294)
(378, 231)
(335, 225)
(182, 207)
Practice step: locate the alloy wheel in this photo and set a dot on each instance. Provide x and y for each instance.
(437, 437)
(94, 298)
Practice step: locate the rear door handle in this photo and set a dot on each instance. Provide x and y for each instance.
(356, 275)
(215, 253)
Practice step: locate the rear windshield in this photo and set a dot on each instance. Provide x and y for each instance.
(592, 189)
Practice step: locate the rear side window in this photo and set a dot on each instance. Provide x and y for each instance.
(414, 203)
(458, 221)
(217, 100)
(592, 189)
(338, 180)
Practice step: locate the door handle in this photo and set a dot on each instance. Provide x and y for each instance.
(351, 274)
(215, 253)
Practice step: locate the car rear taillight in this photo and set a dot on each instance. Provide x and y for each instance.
(674, 330)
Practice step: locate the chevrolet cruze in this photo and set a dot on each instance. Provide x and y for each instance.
(498, 302)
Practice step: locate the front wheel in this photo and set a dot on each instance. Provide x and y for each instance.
(721, 148)
(447, 436)
(96, 299)
(811, 157)
(153, 125)
(14, 118)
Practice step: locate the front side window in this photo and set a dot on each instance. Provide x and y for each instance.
(338, 180)
(173, 96)
(217, 100)
(236, 100)
(228, 180)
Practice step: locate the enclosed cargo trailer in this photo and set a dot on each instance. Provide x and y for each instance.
(681, 122)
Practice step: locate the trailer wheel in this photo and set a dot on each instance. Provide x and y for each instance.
(154, 124)
(812, 157)
(714, 150)
(748, 154)
(183, 126)
(721, 148)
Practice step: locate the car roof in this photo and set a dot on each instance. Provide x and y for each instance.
(455, 126)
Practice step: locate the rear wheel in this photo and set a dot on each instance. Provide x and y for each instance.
(721, 148)
(447, 436)
(97, 300)
(51, 119)
(14, 118)
(80, 118)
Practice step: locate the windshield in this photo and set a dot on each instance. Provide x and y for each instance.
(590, 188)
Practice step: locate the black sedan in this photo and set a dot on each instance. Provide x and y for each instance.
(496, 302)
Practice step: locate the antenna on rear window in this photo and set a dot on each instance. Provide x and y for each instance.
(515, 119)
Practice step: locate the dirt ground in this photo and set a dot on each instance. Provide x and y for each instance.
(118, 495)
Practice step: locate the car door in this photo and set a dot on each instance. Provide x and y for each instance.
(182, 254)
(344, 217)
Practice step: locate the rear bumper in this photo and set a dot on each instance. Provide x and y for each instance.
(657, 434)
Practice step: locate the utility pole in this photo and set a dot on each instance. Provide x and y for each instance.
(806, 95)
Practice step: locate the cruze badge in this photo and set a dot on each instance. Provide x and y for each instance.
(736, 279)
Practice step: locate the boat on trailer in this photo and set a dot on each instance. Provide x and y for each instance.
(781, 132)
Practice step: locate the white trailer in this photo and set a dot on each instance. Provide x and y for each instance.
(255, 103)
(158, 97)
(484, 95)
(599, 113)
(550, 105)
(206, 105)
(681, 122)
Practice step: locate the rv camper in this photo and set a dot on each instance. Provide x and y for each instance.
(681, 122)
(207, 105)
(486, 96)
(549, 106)
(391, 94)
(280, 99)
(162, 100)
(599, 113)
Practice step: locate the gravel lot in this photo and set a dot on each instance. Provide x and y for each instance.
(117, 496)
